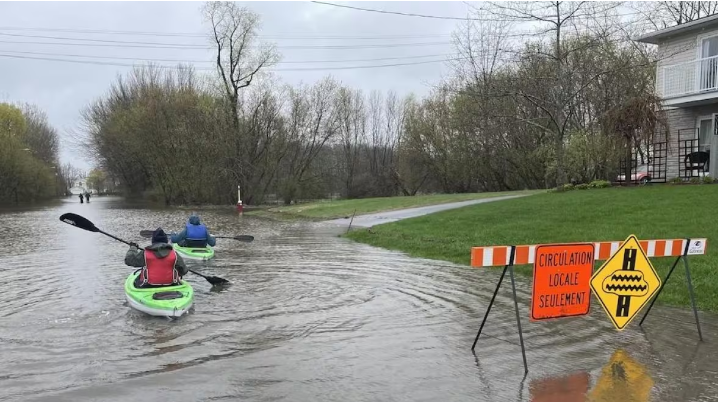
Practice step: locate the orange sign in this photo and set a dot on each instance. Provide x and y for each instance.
(562, 280)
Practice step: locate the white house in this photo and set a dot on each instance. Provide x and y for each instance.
(80, 187)
(687, 82)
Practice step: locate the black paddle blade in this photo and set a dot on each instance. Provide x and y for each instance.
(146, 233)
(215, 280)
(78, 221)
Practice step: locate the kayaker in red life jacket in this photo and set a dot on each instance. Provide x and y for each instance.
(195, 234)
(161, 266)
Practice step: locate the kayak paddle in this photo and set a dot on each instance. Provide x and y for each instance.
(83, 223)
(244, 238)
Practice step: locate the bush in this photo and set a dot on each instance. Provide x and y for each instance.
(708, 180)
(568, 187)
(583, 186)
(675, 180)
(599, 184)
(695, 180)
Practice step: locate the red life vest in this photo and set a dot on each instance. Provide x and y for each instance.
(159, 271)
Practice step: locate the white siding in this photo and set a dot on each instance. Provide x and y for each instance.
(677, 50)
(682, 119)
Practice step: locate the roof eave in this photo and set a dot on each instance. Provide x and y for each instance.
(655, 37)
(652, 39)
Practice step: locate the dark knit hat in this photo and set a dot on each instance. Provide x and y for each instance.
(159, 236)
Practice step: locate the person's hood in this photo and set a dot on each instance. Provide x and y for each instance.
(194, 220)
(161, 250)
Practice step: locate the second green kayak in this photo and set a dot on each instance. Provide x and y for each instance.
(194, 253)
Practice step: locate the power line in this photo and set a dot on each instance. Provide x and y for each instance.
(82, 61)
(205, 35)
(96, 40)
(397, 12)
(92, 62)
(168, 46)
(156, 45)
(507, 19)
(366, 67)
(212, 62)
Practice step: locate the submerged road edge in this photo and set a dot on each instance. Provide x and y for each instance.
(378, 218)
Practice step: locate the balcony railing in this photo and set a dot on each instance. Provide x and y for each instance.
(690, 78)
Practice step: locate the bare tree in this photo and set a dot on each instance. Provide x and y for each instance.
(352, 125)
(559, 20)
(664, 14)
(311, 123)
(240, 57)
(40, 137)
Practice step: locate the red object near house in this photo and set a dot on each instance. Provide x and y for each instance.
(642, 174)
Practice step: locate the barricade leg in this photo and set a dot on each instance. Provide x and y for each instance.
(488, 310)
(510, 267)
(693, 298)
(665, 281)
(689, 282)
(518, 320)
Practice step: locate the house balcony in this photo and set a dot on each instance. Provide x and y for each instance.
(689, 84)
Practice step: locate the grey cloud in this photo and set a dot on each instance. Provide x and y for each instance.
(63, 89)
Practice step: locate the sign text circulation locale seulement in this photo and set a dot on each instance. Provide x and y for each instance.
(561, 285)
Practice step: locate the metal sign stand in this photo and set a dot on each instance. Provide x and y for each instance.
(510, 268)
(683, 257)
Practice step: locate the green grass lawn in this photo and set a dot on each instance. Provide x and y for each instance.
(652, 212)
(344, 208)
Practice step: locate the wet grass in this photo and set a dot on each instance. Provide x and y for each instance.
(345, 208)
(651, 212)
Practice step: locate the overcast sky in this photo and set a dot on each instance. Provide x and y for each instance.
(62, 89)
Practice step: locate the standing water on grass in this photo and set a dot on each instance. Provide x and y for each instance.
(308, 317)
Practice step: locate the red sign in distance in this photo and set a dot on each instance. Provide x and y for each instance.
(562, 280)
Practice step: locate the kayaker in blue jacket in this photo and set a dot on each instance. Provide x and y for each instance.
(161, 265)
(195, 234)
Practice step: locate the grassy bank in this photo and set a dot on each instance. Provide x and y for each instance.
(652, 212)
(344, 208)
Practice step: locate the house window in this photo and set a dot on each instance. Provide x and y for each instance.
(709, 47)
(704, 134)
(709, 63)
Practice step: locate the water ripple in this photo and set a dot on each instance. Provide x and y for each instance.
(309, 317)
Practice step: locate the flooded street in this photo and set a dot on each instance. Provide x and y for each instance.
(308, 317)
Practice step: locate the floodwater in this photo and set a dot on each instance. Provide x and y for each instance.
(308, 317)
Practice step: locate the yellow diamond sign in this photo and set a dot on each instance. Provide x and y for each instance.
(625, 282)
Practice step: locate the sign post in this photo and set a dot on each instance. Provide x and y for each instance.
(561, 287)
(625, 283)
(692, 247)
(510, 267)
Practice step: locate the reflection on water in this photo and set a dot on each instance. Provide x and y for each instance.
(309, 317)
(622, 379)
(571, 388)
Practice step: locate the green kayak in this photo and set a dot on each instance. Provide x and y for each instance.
(168, 301)
(194, 253)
